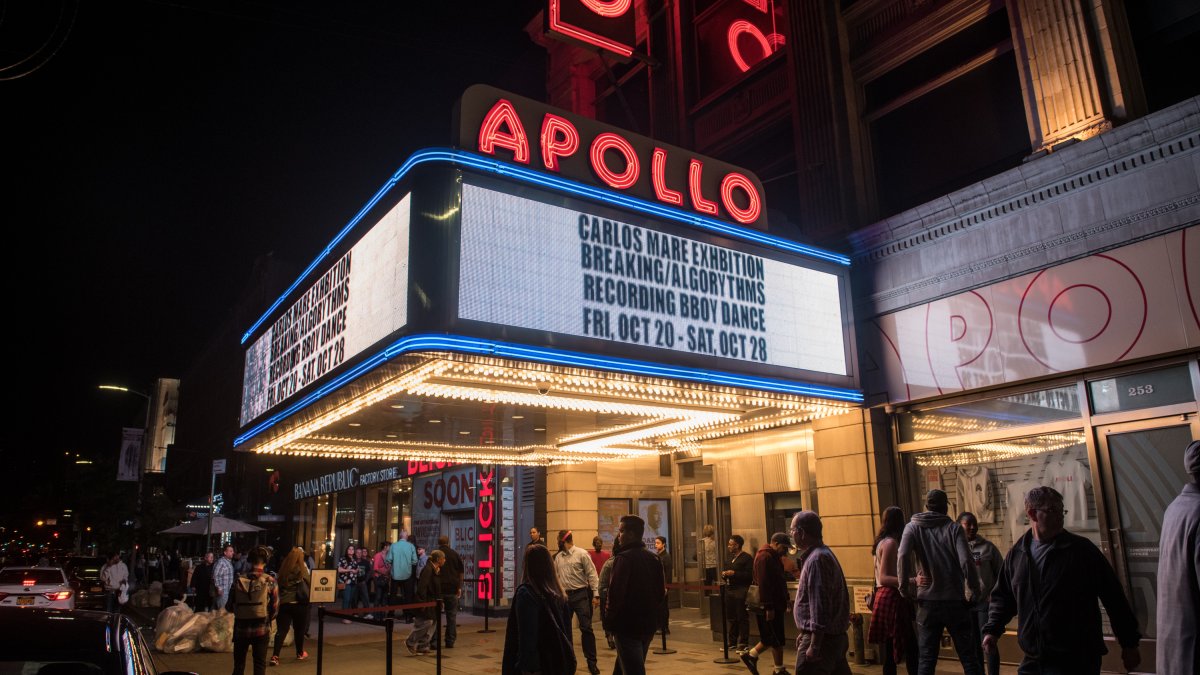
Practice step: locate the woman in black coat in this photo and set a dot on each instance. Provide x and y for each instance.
(538, 640)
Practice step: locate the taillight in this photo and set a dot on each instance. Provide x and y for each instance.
(29, 582)
(58, 595)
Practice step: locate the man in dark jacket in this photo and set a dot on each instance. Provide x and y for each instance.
(947, 581)
(1052, 579)
(636, 594)
(202, 582)
(737, 579)
(428, 589)
(773, 596)
(451, 588)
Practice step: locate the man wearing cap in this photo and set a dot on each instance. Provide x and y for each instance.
(822, 609)
(1178, 644)
(1054, 581)
(935, 567)
(773, 600)
(579, 580)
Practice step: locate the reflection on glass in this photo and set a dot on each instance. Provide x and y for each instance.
(1035, 407)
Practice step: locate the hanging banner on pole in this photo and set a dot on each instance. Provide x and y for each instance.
(131, 454)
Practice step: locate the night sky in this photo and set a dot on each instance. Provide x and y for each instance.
(167, 145)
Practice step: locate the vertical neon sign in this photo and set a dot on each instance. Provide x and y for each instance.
(485, 518)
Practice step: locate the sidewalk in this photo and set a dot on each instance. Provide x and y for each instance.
(360, 649)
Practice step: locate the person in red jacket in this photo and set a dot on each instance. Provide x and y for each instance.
(773, 596)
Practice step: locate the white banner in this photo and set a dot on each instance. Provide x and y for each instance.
(131, 454)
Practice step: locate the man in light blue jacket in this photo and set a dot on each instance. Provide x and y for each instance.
(402, 559)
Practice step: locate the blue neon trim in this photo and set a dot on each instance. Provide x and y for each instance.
(496, 167)
(468, 345)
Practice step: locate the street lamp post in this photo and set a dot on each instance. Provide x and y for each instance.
(145, 433)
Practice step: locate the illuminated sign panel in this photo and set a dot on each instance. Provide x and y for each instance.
(733, 36)
(355, 302)
(572, 271)
(604, 24)
(519, 130)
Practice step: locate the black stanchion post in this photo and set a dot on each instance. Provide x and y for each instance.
(387, 629)
(320, 636)
(437, 631)
(666, 620)
(487, 609)
(724, 633)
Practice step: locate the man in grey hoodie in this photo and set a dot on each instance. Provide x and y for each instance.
(935, 567)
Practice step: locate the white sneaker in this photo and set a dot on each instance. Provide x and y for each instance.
(369, 616)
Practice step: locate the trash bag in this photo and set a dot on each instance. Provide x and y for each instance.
(169, 620)
(288, 639)
(123, 596)
(140, 598)
(218, 635)
(182, 646)
(154, 595)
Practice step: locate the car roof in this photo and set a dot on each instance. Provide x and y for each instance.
(32, 630)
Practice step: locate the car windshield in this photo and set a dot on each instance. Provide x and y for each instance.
(21, 577)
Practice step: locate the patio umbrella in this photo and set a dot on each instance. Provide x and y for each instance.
(219, 524)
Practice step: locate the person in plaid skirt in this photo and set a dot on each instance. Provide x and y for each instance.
(892, 615)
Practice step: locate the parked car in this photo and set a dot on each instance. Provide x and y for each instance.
(75, 641)
(42, 587)
(83, 572)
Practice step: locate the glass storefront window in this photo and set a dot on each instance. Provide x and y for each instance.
(781, 506)
(991, 479)
(1005, 412)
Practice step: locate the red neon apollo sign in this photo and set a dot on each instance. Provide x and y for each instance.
(601, 24)
(523, 131)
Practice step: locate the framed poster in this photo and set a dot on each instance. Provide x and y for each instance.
(609, 517)
(657, 514)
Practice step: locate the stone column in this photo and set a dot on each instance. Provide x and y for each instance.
(1074, 59)
(854, 483)
(571, 503)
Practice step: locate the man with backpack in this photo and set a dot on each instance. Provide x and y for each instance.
(255, 600)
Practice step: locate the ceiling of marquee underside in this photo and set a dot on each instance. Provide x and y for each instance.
(465, 408)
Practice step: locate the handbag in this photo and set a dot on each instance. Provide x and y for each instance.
(302, 591)
(753, 599)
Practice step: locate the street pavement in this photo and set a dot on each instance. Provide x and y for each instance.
(360, 649)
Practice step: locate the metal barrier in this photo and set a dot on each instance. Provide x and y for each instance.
(387, 622)
(724, 638)
(487, 607)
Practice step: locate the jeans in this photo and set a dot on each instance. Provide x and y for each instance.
(362, 594)
(110, 601)
(259, 646)
(830, 658)
(422, 632)
(349, 595)
(992, 660)
(1082, 664)
(580, 601)
(450, 602)
(631, 653)
(954, 617)
(379, 589)
(738, 617)
(293, 614)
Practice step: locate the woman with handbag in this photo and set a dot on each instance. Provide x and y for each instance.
(891, 614)
(538, 638)
(294, 580)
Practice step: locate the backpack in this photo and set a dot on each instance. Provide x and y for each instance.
(250, 597)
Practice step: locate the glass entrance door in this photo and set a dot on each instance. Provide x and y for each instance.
(1144, 469)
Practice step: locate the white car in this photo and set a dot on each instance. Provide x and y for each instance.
(41, 587)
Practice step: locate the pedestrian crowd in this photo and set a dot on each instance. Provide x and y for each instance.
(933, 576)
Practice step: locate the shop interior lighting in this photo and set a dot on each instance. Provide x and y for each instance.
(982, 453)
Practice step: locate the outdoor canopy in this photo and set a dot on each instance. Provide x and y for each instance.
(219, 524)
